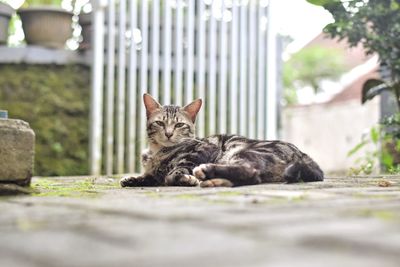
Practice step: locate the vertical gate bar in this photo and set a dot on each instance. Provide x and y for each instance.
(233, 86)
(260, 72)
(243, 70)
(178, 53)
(201, 53)
(155, 48)
(166, 27)
(252, 103)
(143, 71)
(132, 91)
(109, 123)
(121, 87)
(190, 16)
(96, 96)
(271, 74)
(212, 44)
(222, 73)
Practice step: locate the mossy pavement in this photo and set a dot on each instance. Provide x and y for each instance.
(91, 221)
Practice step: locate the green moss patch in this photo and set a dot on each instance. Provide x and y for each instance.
(54, 100)
(385, 215)
(81, 188)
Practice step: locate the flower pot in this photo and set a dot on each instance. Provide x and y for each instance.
(5, 15)
(46, 26)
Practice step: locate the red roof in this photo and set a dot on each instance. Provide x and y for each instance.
(353, 90)
(354, 55)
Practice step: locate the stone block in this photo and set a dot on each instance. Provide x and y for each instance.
(17, 144)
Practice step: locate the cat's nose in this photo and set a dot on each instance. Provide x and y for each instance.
(168, 135)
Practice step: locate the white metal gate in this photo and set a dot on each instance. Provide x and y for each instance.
(223, 51)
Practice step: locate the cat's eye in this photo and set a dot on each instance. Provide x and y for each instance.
(160, 123)
(179, 125)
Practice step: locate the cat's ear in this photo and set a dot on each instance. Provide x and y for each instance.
(151, 104)
(193, 108)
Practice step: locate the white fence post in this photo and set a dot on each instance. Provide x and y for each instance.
(233, 75)
(272, 104)
(223, 95)
(96, 97)
(178, 51)
(200, 72)
(155, 47)
(132, 120)
(243, 114)
(166, 27)
(109, 123)
(144, 67)
(121, 87)
(190, 20)
(252, 78)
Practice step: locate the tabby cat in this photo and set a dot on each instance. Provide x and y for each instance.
(175, 157)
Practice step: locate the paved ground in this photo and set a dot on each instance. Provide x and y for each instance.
(93, 222)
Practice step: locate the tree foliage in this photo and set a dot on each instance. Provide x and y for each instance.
(309, 67)
(376, 25)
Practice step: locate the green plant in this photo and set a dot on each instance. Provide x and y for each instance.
(384, 149)
(42, 2)
(367, 163)
(75, 6)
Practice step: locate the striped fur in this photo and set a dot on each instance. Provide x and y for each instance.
(221, 160)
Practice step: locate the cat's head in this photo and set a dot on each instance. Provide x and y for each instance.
(168, 125)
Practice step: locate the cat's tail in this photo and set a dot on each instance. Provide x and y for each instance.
(305, 170)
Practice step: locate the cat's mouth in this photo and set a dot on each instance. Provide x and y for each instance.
(164, 141)
(168, 142)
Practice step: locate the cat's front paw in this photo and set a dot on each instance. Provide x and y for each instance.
(200, 172)
(188, 180)
(131, 181)
(216, 182)
(181, 177)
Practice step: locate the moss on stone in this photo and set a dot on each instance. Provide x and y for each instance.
(230, 193)
(188, 196)
(54, 187)
(54, 100)
(152, 194)
(386, 215)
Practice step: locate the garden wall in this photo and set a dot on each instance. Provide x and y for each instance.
(54, 100)
(327, 132)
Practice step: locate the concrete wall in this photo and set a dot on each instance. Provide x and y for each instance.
(328, 131)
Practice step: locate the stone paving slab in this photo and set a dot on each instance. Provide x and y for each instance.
(90, 221)
(17, 146)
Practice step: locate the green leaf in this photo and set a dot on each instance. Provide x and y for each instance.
(387, 160)
(322, 2)
(371, 88)
(356, 148)
(374, 135)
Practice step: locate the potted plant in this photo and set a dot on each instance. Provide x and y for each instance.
(45, 23)
(5, 15)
